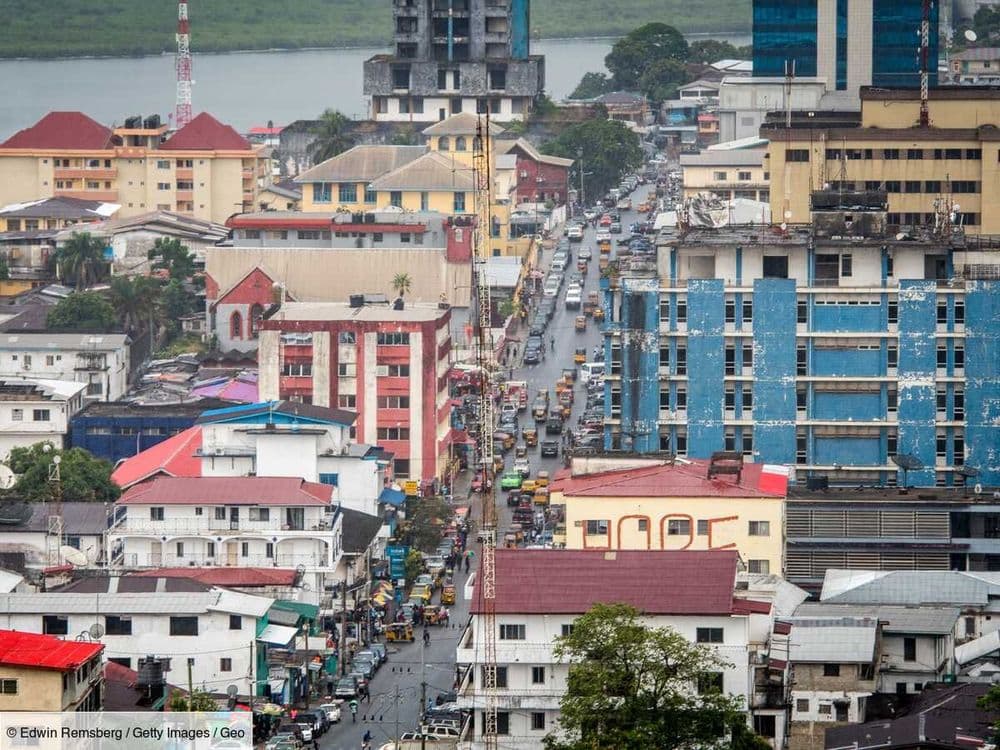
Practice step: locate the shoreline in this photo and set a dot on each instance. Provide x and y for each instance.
(696, 35)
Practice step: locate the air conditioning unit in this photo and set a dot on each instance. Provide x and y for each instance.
(381, 371)
(218, 451)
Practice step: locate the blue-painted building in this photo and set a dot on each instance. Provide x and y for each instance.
(848, 42)
(118, 430)
(833, 348)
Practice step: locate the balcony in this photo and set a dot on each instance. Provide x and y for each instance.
(62, 173)
(185, 196)
(155, 560)
(220, 527)
(86, 362)
(185, 174)
(88, 195)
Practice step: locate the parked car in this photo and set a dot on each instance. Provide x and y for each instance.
(347, 687)
(332, 710)
(575, 233)
(574, 299)
(550, 448)
(585, 253)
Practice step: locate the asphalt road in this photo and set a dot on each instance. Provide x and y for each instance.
(410, 664)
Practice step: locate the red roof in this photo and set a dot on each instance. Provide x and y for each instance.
(205, 133)
(62, 130)
(175, 457)
(225, 576)
(264, 130)
(667, 582)
(44, 651)
(228, 491)
(751, 607)
(663, 480)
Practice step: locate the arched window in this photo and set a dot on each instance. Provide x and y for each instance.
(460, 143)
(477, 144)
(256, 316)
(443, 143)
(236, 326)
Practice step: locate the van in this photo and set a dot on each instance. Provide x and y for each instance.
(590, 370)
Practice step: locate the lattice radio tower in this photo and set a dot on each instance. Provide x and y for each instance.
(182, 114)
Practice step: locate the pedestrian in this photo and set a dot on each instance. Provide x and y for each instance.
(354, 711)
(552, 342)
(315, 744)
(466, 563)
(366, 741)
(427, 637)
(430, 704)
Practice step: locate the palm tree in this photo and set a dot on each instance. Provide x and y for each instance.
(332, 137)
(80, 258)
(136, 300)
(402, 282)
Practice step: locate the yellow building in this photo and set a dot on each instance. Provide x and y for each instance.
(657, 504)
(205, 169)
(926, 170)
(736, 173)
(44, 673)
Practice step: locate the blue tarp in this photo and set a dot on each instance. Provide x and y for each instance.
(392, 497)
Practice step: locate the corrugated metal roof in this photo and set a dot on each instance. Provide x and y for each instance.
(909, 587)
(44, 651)
(464, 123)
(928, 620)
(744, 157)
(277, 635)
(361, 164)
(126, 604)
(290, 491)
(836, 640)
(432, 171)
(977, 54)
(101, 342)
(572, 581)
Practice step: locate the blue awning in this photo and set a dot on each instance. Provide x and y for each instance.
(392, 497)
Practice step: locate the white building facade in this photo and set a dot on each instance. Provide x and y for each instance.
(100, 360)
(34, 410)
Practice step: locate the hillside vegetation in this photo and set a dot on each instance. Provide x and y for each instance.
(70, 28)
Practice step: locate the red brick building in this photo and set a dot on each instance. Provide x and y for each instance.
(540, 177)
(388, 365)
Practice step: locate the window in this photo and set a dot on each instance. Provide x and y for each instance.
(747, 311)
(538, 675)
(17, 415)
(297, 369)
(459, 202)
(681, 360)
(348, 192)
(915, 153)
(678, 527)
(503, 717)
(744, 176)
(775, 267)
(236, 325)
(797, 154)
(117, 625)
(909, 649)
(55, 625)
(709, 635)
(846, 265)
(235, 622)
(225, 664)
(538, 720)
(156, 513)
(220, 513)
(161, 186)
(760, 528)
(8, 687)
(444, 144)
(399, 371)
(347, 401)
(183, 626)
(761, 567)
(393, 402)
(720, 176)
(163, 164)
(566, 629)
(597, 527)
(331, 479)
(322, 192)
(40, 415)
(709, 682)
(730, 311)
(702, 528)
(245, 549)
(393, 433)
(180, 549)
(831, 670)
(802, 705)
(764, 725)
(347, 369)
(893, 186)
(392, 339)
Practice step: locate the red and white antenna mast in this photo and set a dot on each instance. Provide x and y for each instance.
(182, 115)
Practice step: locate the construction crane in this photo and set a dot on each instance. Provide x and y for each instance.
(486, 360)
(182, 113)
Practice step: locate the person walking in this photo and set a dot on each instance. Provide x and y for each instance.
(552, 342)
(427, 637)
(366, 740)
(354, 711)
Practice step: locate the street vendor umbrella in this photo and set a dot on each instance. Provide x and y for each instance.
(271, 709)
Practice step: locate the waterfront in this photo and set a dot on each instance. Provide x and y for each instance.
(242, 89)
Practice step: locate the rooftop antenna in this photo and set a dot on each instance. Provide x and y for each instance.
(183, 107)
(925, 43)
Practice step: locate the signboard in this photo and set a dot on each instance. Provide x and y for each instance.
(396, 553)
(411, 487)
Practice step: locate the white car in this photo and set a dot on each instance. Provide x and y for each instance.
(575, 233)
(522, 466)
(558, 263)
(574, 298)
(585, 253)
(332, 711)
(551, 288)
(603, 235)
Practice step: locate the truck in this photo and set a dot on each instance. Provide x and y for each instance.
(517, 394)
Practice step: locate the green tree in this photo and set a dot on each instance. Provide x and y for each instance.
(176, 302)
(81, 259)
(136, 301)
(637, 50)
(661, 79)
(609, 150)
(82, 311)
(986, 24)
(199, 701)
(82, 478)
(426, 519)
(413, 565)
(712, 50)
(170, 254)
(638, 687)
(405, 136)
(591, 86)
(332, 137)
(990, 702)
(402, 282)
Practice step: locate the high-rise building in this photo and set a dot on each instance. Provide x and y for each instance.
(848, 43)
(855, 352)
(453, 56)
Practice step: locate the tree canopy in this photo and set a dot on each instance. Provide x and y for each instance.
(174, 257)
(332, 136)
(605, 149)
(82, 477)
(635, 52)
(712, 50)
(82, 311)
(591, 86)
(640, 687)
(81, 259)
(199, 701)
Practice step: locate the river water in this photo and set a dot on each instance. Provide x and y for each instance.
(241, 89)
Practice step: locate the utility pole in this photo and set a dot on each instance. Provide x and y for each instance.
(423, 688)
(343, 628)
(395, 736)
(579, 164)
(190, 686)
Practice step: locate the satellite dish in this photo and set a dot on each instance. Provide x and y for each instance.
(967, 471)
(96, 631)
(232, 691)
(73, 556)
(970, 35)
(908, 462)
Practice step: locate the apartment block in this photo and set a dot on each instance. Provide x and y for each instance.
(100, 360)
(205, 169)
